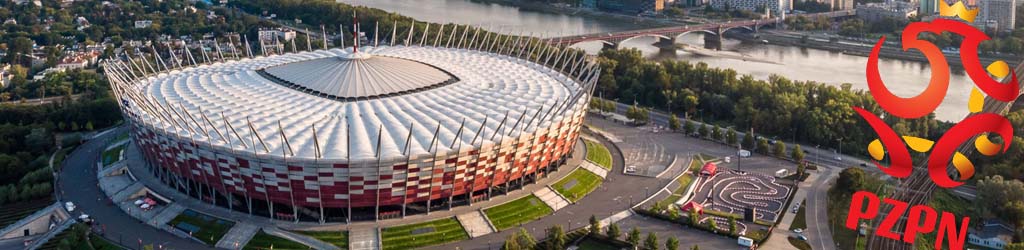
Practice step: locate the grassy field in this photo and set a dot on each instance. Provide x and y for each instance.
(706, 157)
(582, 183)
(99, 243)
(11, 213)
(516, 212)
(113, 155)
(263, 240)
(800, 220)
(592, 244)
(336, 238)
(58, 159)
(839, 205)
(599, 154)
(423, 234)
(799, 244)
(207, 228)
(943, 200)
(695, 165)
(53, 243)
(684, 182)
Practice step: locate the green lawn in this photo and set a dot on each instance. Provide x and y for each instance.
(263, 240)
(203, 227)
(336, 238)
(799, 244)
(943, 200)
(54, 242)
(695, 165)
(706, 157)
(58, 159)
(684, 182)
(516, 212)
(599, 154)
(423, 234)
(800, 220)
(99, 243)
(592, 244)
(113, 155)
(11, 213)
(577, 184)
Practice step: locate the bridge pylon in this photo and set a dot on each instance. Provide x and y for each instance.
(714, 41)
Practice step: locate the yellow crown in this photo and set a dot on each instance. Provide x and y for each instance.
(958, 9)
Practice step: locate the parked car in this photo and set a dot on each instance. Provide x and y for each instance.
(801, 237)
(798, 230)
(69, 206)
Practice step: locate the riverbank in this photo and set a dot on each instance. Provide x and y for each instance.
(644, 22)
(858, 49)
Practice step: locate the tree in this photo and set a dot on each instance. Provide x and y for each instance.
(38, 140)
(673, 122)
(716, 133)
(613, 231)
(797, 154)
(556, 239)
(634, 237)
(694, 217)
(511, 243)
(689, 127)
(801, 169)
(730, 137)
(651, 242)
(733, 227)
(853, 179)
(713, 225)
(695, 247)
(671, 243)
(779, 150)
(88, 126)
(1014, 246)
(595, 225)
(704, 131)
(748, 141)
(525, 240)
(763, 146)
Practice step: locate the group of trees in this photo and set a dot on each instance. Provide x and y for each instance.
(806, 23)
(807, 111)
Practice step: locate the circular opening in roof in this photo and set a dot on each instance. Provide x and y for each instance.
(353, 76)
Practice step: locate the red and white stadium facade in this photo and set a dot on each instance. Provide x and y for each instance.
(355, 133)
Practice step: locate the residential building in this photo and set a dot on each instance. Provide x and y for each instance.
(993, 234)
(78, 60)
(267, 35)
(42, 74)
(873, 12)
(5, 75)
(631, 6)
(1001, 12)
(774, 7)
(842, 4)
(142, 24)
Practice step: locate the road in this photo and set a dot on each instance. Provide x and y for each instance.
(815, 153)
(78, 184)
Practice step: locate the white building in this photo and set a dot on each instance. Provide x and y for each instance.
(993, 234)
(5, 75)
(142, 24)
(775, 7)
(1002, 12)
(873, 12)
(268, 35)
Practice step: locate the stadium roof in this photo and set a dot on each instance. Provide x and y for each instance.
(360, 75)
(231, 95)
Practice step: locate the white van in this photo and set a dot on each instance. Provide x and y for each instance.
(744, 241)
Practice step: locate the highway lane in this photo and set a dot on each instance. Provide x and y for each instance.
(78, 184)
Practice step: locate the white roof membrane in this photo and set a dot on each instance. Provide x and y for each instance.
(488, 86)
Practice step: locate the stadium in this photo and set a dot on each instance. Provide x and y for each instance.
(360, 132)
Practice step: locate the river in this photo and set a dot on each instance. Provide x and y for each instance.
(904, 78)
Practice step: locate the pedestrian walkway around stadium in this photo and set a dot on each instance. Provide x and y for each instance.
(362, 234)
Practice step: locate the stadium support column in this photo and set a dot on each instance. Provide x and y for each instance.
(323, 32)
(497, 152)
(405, 188)
(408, 38)
(348, 164)
(263, 178)
(451, 37)
(437, 38)
(288, 171)
(451, 194)
(309, 43)
(316, 162)
(476, 159)
(376, 207)
(433, 165)
(248, 199)
(394, 32)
